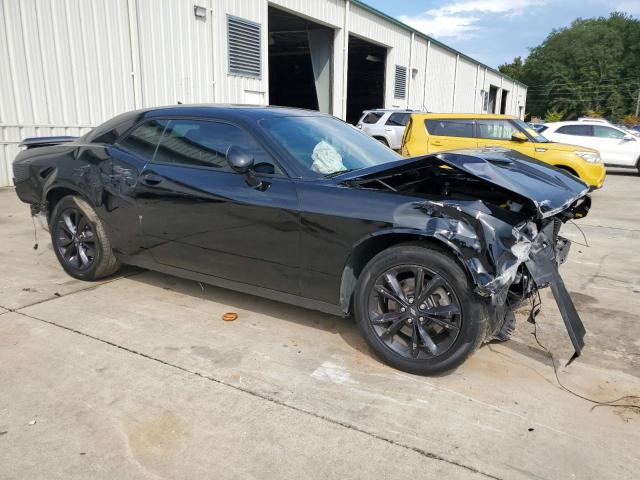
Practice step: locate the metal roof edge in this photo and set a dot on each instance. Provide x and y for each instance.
(397, 22)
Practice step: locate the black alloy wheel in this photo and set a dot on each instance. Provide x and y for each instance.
(75, 239)
(415, 312)
(80, 240)
(417, 309)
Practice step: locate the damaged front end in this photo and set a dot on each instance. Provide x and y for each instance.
(500, 213)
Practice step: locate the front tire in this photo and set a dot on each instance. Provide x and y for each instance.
(416, 309)
(80, 240)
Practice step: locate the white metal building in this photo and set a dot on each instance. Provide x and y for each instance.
(68, 65)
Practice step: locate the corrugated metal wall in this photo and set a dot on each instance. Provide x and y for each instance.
(68, 65)
(441, 66)
(58, 79)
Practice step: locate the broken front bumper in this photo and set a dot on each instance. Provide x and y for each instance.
(548, 251)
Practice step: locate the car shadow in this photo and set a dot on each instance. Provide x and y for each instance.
(344, 327)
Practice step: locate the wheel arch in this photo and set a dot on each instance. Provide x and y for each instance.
(383, 138)
(56, 192)
(568, 169)
(367, 248)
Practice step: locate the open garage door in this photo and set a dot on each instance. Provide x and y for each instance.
(300, 58)
(365, 77)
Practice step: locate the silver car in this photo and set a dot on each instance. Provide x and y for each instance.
(386, 126)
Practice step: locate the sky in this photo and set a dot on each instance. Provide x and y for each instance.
(496, 31)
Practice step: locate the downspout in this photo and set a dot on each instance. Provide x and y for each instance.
(345, 57)
(410, 76)
(455, 79)
(212, 32)
(475, 89)
(426, 66)
(136, 59)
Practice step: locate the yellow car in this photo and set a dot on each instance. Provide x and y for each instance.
(435, 132)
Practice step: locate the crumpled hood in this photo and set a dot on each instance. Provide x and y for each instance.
(550, 190)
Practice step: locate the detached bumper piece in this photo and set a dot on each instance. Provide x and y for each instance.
(547, 252)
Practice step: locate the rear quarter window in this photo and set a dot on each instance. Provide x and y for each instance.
(143, 140)
(372, 117)
(450, 128)
(398, 119)
(579, 130)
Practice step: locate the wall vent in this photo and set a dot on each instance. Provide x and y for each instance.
(400, 87)
(245, 56)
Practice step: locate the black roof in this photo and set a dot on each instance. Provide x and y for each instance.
(111, 129)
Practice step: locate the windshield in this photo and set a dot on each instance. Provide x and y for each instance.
(326, 146)
(537, 137)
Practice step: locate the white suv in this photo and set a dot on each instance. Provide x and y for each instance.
(387, 126)
(617, 147)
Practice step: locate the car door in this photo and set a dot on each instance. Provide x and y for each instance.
(577, 134)
(197, 214)
(616, 147)
(497, 132)
(394, 128)
(449, 134)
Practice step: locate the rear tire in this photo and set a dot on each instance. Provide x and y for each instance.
(80, 240)
(438, 329)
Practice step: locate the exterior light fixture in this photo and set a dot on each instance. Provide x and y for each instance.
(199, 12)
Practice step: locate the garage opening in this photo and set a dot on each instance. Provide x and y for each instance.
(365, 77)
(503, 102)
(493, 94)
(300, 59)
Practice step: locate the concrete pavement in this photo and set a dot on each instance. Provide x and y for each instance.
(139, 377)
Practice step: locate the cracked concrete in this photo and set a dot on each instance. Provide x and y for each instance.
(139, 376)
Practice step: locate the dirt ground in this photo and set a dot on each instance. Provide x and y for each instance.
(138, 377)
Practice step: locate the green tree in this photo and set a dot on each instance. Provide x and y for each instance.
(553, 116)
(513, 69)
(594, 64)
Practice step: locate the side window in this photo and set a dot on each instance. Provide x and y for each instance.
(496, 129)
(579, 130)
(398, 119)
(144, 139)
(372, 117)
(203, 143)
(450, 128)
(607, 132)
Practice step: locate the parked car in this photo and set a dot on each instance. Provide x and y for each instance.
(431, 254)
(538, 127)
(617, 147)
(386, 126)
(594, 120)
(437, 132)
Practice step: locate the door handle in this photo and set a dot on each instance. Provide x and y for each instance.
(388, 130)
(435, 142)
(151, 179)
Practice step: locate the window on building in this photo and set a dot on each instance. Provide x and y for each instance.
(245, 57)
(372, 117)
(607, 132)
(398, 119)
(200, 143)
(496, 129)
(144, 139)
(450, 128)
(400, 87)
(579, 130)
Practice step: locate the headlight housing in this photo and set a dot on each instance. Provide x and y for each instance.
(591, 157)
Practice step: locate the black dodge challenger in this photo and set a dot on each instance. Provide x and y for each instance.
(430, 254)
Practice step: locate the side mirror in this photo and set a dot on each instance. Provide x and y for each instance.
(519, 137)
(628, 138)
(241, 162)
